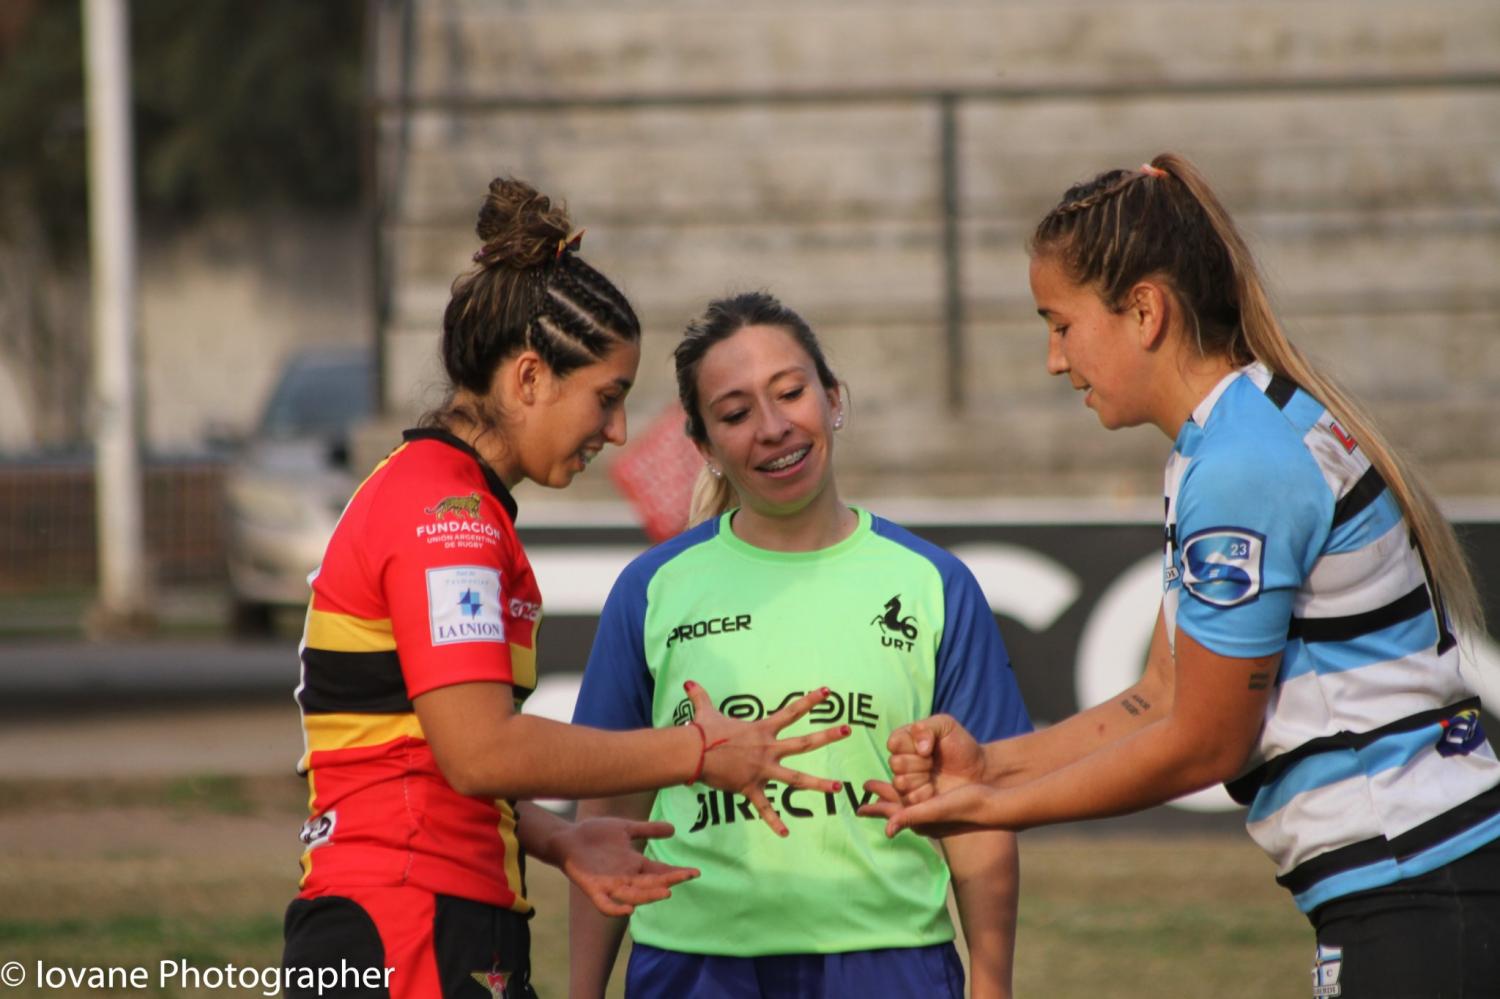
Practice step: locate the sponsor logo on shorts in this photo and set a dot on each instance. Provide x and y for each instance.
(896, 631)
(495, 981)
(463, 604)
(318, 830)
(1223, 565)
(1327, 965)
(710, 626)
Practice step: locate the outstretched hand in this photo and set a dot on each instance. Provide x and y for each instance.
(968, 808)
(599, 856)
(741, 757)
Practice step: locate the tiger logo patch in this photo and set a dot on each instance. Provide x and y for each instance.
(458, 506)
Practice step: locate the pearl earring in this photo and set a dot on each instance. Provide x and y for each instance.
(718, 473)
(838, 422)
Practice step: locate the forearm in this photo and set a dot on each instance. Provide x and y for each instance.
(531, 757)
(1026, 758)
(986, 882)
(1029, 757)
(594, 938)
(1147, 768)
(537, 830)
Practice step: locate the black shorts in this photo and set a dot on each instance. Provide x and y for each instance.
(404, 943)
(1434, 936)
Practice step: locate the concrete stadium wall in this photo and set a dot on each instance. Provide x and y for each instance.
(799, 146)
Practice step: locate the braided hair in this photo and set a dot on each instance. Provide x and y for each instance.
(528, 290)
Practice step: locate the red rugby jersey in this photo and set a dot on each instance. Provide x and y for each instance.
(424, 584)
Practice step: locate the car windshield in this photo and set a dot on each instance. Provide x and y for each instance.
(321, 397)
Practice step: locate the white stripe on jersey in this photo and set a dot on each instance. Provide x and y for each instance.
(1362, 580)
(1313, 705)
(1365, 807)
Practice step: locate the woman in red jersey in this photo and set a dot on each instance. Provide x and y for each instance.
(420, 644)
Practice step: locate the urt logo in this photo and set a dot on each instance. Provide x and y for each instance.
(896, 631)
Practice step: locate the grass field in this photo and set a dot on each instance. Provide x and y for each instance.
(128, 873)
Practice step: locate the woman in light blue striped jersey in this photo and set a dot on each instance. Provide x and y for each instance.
(1307, 652)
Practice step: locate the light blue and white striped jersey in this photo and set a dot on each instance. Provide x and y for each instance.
(1371, 765)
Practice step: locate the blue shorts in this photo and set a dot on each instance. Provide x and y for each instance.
(931, 972)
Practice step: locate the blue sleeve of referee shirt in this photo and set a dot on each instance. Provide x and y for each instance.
(617, 687)
(974, 682)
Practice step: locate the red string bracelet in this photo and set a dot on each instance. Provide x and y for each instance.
(704, 747)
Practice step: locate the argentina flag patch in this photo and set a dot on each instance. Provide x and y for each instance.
(1223, 566)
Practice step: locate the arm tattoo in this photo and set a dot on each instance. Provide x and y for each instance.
(1135, 704)
(1260, 680)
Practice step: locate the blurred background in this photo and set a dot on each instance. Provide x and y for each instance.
(305, 181)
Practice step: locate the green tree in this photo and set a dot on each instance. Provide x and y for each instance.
(237, 106)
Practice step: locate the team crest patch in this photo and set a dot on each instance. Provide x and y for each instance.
(1222, 565)
(1327, 965)
(495, 981)
(463, 604)
(458, 506)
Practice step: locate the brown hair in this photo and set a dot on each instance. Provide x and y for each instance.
(1165, 222)
(529, 289)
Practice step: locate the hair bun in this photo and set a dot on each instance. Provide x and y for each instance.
(519, 226)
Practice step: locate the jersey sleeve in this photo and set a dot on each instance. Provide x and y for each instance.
(1250, 522)
(617, 684)
(446, 589)
(974, 680)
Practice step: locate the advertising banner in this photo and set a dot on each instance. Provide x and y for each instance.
(1076, 603)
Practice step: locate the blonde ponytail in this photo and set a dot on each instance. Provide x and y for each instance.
(1163, 219)
(712, 497)
(1267, 342)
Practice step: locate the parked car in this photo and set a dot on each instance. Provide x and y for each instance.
(288, 482)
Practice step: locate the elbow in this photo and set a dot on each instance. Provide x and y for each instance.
(470, 778)
(467, 782)
(1225, 762)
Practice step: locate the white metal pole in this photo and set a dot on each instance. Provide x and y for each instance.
(118, 514)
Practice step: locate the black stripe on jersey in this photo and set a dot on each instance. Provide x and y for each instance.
(1365, 492)
(490, 478)
(1343, 629)
(1281, 390)
(1446, 638)
(1244, 789)
(1371, 851)
(362, 683)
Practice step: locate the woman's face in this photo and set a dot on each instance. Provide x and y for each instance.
(1098, 349)
(769, 419)
(573, 416)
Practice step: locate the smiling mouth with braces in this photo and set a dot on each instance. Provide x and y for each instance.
(786, 461)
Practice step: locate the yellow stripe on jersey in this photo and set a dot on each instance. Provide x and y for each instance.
(330, 732)
(523, 667)
(507, 830)
(346, 633)
(306, 860)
